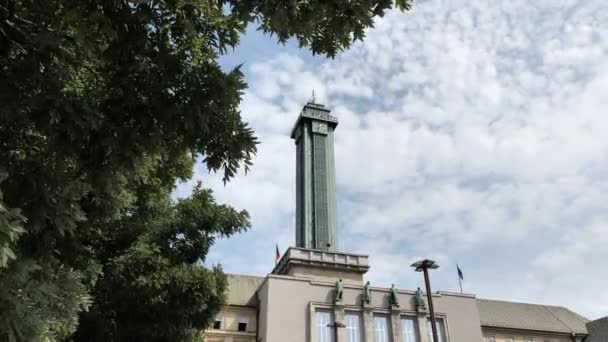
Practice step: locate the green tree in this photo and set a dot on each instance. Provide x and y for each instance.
(152, 287)
(103, 107)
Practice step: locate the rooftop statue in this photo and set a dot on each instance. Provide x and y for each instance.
(419, 299)
(367, 293)
(394, 297)
(339, 291)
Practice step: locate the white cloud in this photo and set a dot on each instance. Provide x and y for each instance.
(469, 131)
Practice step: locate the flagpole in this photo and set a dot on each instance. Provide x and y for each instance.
(460, 277)
(460, 282)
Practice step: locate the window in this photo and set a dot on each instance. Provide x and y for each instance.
(324, 331)
(529, 339)
(217, 324)
(353, 326)
(509, 339)
(409, 328)
(243, 321)
(440, 324)
(491, 339)
(381, 328)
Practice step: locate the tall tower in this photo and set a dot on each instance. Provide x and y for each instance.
(316, 221)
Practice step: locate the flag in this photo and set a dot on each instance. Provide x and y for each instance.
(460, 275)
(277, 255)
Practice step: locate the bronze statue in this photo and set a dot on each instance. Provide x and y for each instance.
(339, 291)
(394, 297)
(419, 300)
(367, 294)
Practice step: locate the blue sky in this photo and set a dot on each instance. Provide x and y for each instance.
(470, 132)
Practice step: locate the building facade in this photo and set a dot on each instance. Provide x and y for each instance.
(297, 303)
(238, 321)
(317, 293)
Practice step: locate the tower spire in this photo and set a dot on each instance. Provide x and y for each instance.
(316, 219)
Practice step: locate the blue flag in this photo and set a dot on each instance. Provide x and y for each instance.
(460, 275)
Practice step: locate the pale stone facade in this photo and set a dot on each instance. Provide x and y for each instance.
(228, 329)
(282, 307)
(287, 304)
(242, 308)
(302, 298)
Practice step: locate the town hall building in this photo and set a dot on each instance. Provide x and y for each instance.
(317, 291)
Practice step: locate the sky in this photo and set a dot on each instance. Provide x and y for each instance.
(471, 132)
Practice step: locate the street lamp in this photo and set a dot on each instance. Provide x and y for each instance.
(423, 266)
(335, 326)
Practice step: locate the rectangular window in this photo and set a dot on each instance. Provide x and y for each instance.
(509, 339)
(529, 339)
(409, 328)
(324, 330)
(217, 324)
(491, 339)
(353, 326)
(382, 328)
(440, 324)
(243, 322)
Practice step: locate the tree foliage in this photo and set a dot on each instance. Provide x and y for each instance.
(103, 107)
(152, 272)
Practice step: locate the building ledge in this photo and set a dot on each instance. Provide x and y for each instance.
(219, 332)
(326, 259)
(456, 294)
(529, 331)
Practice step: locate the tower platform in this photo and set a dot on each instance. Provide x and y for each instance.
(323, 265)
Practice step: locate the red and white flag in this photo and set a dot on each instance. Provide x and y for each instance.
(277, 255)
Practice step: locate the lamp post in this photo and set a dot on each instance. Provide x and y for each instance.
(423, 266)
(335, 327)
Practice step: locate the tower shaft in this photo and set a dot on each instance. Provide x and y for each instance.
(316, 220)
